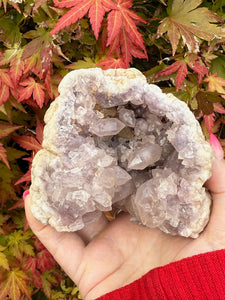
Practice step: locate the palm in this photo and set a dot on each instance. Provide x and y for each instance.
(122, 252)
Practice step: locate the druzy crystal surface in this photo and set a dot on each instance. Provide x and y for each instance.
(112, 140)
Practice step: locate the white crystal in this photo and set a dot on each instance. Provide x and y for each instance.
(107, 127)
(145, 156)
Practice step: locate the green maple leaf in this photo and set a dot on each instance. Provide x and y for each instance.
(18, 245)
(3, 259)
(186, 21)
(14, 285)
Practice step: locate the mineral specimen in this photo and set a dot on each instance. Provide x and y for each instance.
(113, 140)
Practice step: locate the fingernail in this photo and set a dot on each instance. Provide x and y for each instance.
(25, 194)
(217, 148)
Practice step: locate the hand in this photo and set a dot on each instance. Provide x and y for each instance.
(108, 255)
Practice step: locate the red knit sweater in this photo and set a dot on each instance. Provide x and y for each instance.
(200, 277)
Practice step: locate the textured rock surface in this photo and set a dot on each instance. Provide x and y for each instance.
(113, 140)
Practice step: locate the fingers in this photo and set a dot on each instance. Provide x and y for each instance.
(215, 230)
(216, 184)
(59, 243)
(66, 247)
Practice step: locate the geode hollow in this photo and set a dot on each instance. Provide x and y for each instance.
(113, 140)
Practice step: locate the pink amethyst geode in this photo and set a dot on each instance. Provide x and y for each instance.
(113, 140)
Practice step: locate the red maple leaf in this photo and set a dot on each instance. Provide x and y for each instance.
(209, 122)
(199, 68)
(112, 63)
(180, 67)
(123, 36)
(218, 108)
(124, 17)
(5, 77)
(25, 178)
(16, 68)
(32, 88)
(45, 261)
(28, 142)
(3, 156)
(96, 8)
(4, 93)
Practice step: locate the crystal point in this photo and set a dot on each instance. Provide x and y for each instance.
(107, 127)
(144, 157)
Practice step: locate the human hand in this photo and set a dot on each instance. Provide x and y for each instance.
(108, 255)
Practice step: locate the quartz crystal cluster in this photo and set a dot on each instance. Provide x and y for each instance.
(112, 140)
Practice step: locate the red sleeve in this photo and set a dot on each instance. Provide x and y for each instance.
(199, 277)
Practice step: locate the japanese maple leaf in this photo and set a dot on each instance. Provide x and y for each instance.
(112, 63)
(14, 285)
(45, 261)
(31, 264)
(16, 67)
(5, 130)
(4, 93)
(122, 17)
(3, 259)
(96, 8)
(30, 143)
(3, 156)
(5, 84)
(219, 108)
(187, 21)
(200, 68)
(32, 88)
(216, 84)
(209, 121)
(180, 67)
(122, 44)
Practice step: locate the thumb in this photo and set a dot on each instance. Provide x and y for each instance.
(216, 185)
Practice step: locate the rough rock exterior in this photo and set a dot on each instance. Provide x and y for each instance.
(113, 140)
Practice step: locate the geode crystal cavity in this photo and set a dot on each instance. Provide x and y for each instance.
(113, 140)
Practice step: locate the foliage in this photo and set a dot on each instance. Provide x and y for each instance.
(178, 44)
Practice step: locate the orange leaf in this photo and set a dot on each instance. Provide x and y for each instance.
(39, 94)
(32, 87)
(5, 77)
(28, 142)
(16, 71)
(112, 63)
(3, 156)
(4, 93)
